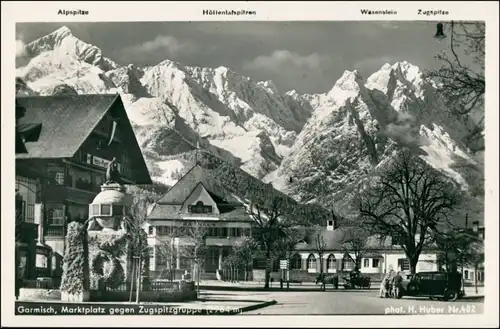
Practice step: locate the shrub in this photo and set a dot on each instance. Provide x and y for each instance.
(75, 268)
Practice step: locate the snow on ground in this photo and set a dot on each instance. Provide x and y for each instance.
(167, 168)
(440, 152)
(243, 147)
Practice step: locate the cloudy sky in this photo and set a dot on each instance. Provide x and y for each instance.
(306, 56)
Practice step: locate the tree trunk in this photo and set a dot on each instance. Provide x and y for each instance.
(475, 277)
(132, 280)
(138, 285)
(320, 263)
(268, 271)
(413, 264)
(463, 279)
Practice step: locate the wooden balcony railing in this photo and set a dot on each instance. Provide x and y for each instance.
(55, 231)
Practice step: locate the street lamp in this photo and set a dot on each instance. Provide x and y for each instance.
(439, 31)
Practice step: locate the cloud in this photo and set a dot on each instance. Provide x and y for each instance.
(171, 45)
(371, 63)
(20, 48)
(281, 60)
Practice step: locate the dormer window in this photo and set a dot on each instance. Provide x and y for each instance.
(199, 208)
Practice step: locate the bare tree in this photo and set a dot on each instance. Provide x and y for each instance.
(271, 214)
(319, 244)
(142, 200)
(459, 246)
(285, 246)
(407, 199)
(355, 239)
(194, 247)
(461, 85)
(245, 249)
(167, 254)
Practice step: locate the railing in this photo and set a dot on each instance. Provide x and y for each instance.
(54, 231)
(155, 285)
(50, 283)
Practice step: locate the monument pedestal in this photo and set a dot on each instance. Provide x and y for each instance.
(75, 298)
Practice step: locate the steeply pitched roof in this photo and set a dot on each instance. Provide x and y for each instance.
(171, 203)
(183, 188)
(66, 121)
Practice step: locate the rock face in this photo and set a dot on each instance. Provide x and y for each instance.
(358, 125)
(313, 147)
(227, 113)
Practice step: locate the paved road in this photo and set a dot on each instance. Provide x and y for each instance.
(350, 302)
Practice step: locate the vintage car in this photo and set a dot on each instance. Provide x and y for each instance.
(435, 285)
(357, 281)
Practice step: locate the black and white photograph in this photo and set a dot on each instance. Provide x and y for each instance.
(250, 168)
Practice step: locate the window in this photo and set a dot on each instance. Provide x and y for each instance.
(403, 264)
(41, 261)
(397, 240)
(105, 209)
(466, 275)
(56, 216)
(117, 210)
(94, 210)
(311, 262)
(295, 262)
(376, 262)
(150, 230)
(60, 178)
(222, 232)
(185, 263)
(80, 179)
(440, 276)
(214, 256)
(234, 231)
(330, 223)
(199, 208)
(366, 262)
(331, 263)
(348, 263)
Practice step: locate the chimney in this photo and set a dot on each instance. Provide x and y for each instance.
(330, 224)
(475, 226)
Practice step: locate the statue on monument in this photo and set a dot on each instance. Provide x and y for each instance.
(112, 174)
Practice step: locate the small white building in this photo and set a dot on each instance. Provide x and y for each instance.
(377, 256)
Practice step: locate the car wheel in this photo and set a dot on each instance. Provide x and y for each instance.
(450, 295)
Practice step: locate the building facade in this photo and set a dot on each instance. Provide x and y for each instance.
(70, 140)
(196, 210)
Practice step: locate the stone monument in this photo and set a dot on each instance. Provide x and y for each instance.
(110, 250)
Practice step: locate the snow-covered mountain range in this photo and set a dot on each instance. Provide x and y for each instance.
(309, 146)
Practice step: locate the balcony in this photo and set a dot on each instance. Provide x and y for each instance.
(218, 241)
(55, 231)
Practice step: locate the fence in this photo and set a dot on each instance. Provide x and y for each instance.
(154, 285)
(235, 274)
(41, 284)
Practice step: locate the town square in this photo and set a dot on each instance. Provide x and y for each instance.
(154, 180)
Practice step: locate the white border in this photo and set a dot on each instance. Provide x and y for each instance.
(100, 11)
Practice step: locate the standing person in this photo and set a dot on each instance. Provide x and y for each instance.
(385, 285)
(397, 280)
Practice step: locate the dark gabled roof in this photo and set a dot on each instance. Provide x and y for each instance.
(185, 186)
(170, 204)
(333, 242)
(66, 121)
(20, 147)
